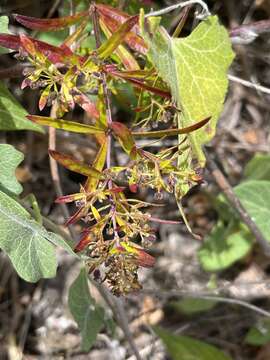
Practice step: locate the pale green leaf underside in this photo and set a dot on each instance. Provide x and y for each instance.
(10, 158)
(4, 30)
(12, 114)
(195, 68)
(88, 316)
(187, 348)
(25, 242)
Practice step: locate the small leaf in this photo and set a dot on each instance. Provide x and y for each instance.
(28, 45)
(49, 24)
(98, 164)
(13, 114)
(125, 56)
(53, 53)
(224, 246)
(73, 36)
(171, 132)
(142, 258)
(259, 335)
(107, 48)
(10, 158)
(76, 217)
(89, 316)
(4, 30)
(113, 18)
(258, 168)
(95, 213)
(87, 105)
(85, 239)
(139, 83)
(187, 348)
(74, 165)
(65, 125)
(27, 244)
(255, 197)
(44, 97)
(190, 306)
(124, 136)
(70, 198)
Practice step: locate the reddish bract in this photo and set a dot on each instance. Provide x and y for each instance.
(49, 24)
(113, 18)
(53, 53)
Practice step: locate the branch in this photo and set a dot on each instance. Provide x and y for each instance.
(247, 33)
(55, 172)
(108, 113)
(172, 293)
(120, 316)
(205, 11)
(249, 84)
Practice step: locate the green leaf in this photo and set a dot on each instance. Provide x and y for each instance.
(255, 197)
(55, 38)
(258, 168)
(98, 164)
(74, 165)
(10, 158)
(124, 136)
(27, 244)
(59, 241)
(190, 306)
(65, 125)
(12, 114)
(224, 246)
(108, 47)
(89, 316)
(195, 68)
(259, 335)
(4, 30)
(171, 132)
(187, 348)
(124, 55)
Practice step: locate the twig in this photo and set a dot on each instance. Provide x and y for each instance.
(55, 172)
(172, 293)
(53, 8)
(108, 114)
(164, 221)
(114, 304)
(28, 316)
(249, 84)
(169, 9)
(123, 322)
(120, 316)
(247, 33)
(226, 188)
